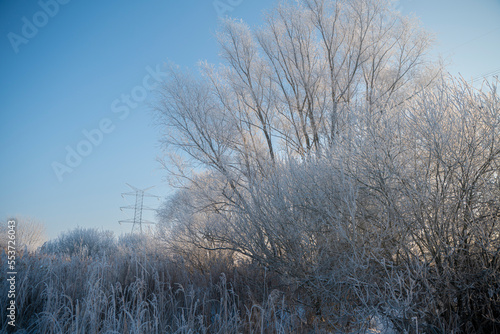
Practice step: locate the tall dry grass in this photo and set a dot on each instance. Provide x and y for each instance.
(142, 289)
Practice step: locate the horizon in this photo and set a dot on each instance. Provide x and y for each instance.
(78, 86)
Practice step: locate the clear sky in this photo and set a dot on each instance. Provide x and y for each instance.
(75, 79)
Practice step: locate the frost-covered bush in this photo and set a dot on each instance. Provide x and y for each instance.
(82, 241)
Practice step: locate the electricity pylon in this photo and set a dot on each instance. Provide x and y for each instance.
(137, 221)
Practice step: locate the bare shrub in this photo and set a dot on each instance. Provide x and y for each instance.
(82, 241)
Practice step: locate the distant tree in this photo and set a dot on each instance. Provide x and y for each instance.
(30, 233)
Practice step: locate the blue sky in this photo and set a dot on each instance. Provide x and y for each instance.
(91, 58)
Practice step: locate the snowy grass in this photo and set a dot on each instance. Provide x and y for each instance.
(142, 287)
(140, 292)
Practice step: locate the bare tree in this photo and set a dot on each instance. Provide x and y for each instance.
(30, 233)
(286, 93)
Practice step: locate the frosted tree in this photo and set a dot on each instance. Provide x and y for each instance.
(290, 91)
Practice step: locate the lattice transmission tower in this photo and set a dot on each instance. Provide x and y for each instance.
(137, 221)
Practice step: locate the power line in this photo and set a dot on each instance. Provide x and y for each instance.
(473, 39)
(487, 74)
(137, 221)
